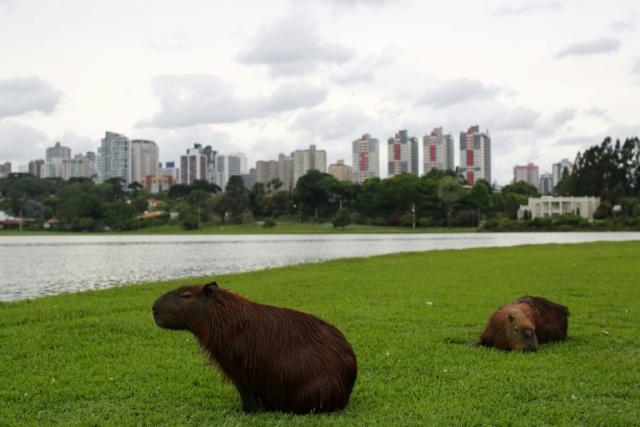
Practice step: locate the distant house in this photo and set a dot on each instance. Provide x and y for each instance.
(547, 206)
(7, 221)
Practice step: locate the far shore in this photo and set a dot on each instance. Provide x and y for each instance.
(289, 228)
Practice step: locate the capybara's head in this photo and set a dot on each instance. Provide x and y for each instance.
(180, 308)
(520, 331)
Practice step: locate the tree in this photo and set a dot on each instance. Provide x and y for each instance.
(236, 198)
(450, 192)
(313, 192)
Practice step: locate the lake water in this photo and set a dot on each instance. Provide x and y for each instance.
(46, 265)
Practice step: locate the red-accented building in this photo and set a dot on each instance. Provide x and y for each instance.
(475, 155)
(366, 155)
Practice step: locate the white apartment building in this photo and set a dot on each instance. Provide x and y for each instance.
(228, 166)
(306, 160)
(547, 206)
(144, 160)
(114, 158)
(438, 151)
(366, 158)
(475, 155)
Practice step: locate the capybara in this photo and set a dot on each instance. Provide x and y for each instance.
(524, 324)
(278, 359)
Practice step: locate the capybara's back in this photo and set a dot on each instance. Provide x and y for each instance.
(551, 319)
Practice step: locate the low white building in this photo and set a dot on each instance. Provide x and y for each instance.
(552, 206)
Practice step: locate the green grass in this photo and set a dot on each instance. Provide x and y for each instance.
(96, 358)
(285, 228)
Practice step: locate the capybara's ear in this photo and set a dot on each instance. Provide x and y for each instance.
(208, 288)
(510, 317)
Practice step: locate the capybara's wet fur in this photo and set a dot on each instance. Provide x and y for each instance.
(278, 359)
(525, 324)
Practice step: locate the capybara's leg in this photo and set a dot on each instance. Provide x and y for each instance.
(249, 401)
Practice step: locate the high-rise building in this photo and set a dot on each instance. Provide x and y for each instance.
(266, 170)
(402, 154)
(366, 158)
(193, 166)
(285, 171)
(475, 155)
(306, 160)
(144, 160)
(36, 168)
(546, 184)
(211, 156)
(528, 173)
(114, 158)
(58, 151)
(558, 170)
(340, 171)
(79, 166)
(438, 151)
(55, 159)
(228, 166)
(249, 179)
(5, 169)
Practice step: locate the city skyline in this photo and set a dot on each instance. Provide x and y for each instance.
(290, 76)
(210, 165)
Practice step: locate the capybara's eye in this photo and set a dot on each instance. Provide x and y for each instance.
(185, 295)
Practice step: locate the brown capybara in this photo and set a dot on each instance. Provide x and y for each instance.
(524, 324)
(278, 359)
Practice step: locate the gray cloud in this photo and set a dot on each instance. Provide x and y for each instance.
(326, 125)
(7, 6)
(597, 112)
(563, 117)
(292, 46)
(636, 67)
(23, 95)
(363, 71)
(517, 119)
(187, 100)
(528, 6)
(458, 91)
(20, 143)
(591, 47)
(623, 26)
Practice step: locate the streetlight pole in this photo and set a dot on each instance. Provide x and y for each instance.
(413, 212)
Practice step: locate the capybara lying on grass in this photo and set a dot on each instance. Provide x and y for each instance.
(280, 359)
(524, 324)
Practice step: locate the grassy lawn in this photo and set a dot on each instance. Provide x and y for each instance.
(96, 358)
(284, 228)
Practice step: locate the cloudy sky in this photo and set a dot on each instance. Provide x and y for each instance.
(546, 77)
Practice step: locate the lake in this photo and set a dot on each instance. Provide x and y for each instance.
(47, 265)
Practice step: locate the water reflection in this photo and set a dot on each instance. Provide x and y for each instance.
(46, 265)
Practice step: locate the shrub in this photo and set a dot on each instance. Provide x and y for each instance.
(190, 222)
(269, 223)
(341, 218)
